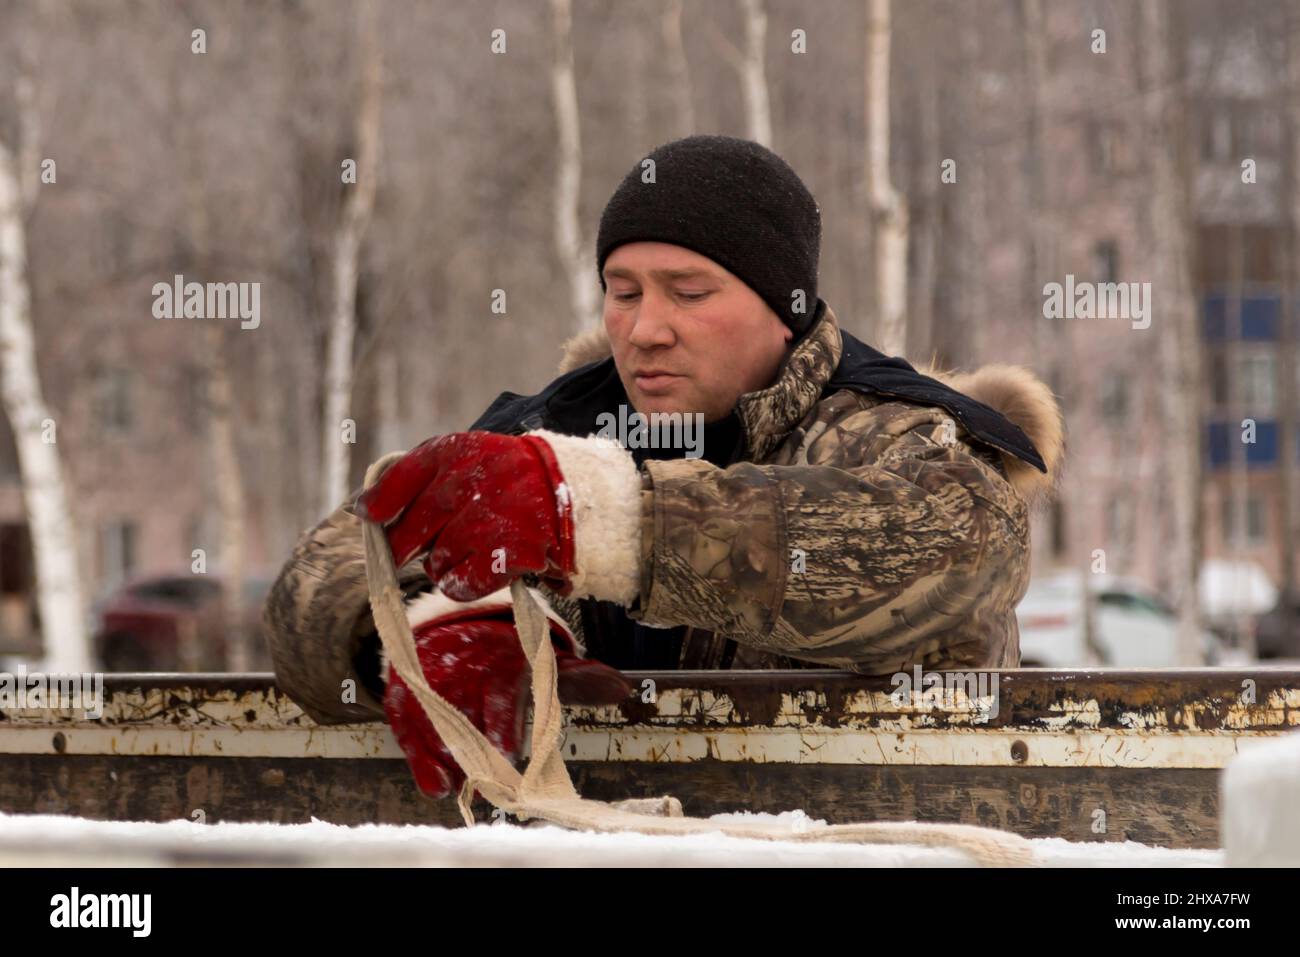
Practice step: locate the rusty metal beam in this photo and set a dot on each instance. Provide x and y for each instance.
(1086, 755)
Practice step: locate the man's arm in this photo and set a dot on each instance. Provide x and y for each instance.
(317, 621)
(890, 541)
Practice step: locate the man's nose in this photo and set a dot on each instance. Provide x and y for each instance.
(653, 325)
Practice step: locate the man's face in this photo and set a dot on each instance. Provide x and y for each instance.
(687, 335)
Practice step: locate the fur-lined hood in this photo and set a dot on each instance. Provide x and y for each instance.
(1012, 390)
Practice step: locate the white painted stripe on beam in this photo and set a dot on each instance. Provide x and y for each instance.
(964, 748)
(337, 741)
(991, 748)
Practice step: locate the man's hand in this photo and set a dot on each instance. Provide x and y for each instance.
(490, 508)
(485, 507)
(474, 660)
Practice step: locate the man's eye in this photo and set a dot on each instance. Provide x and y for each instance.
(693, 296)
(625, 296)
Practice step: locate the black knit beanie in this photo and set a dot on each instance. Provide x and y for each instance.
(732, 200)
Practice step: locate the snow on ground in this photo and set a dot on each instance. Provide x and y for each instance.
(48, 840)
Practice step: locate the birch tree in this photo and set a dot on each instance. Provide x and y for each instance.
(749, 63)
(887, 211)
(1034, 33)
(678, 68)
(231, 504)
(926, 235)
(568, 170)
(1180, 335)
(59, 593)
(972, 212)
(753, 73)
(354, 217)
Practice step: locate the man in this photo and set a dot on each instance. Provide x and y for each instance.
(847, 511)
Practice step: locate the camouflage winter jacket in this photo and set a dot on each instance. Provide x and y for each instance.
(871, 518)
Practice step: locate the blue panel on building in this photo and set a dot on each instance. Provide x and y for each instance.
(1259, 317)
(1262, 452)
(1217, 446)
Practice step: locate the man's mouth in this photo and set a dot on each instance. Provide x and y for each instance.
(655, 383)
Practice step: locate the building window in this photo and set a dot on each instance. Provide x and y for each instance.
(1058, 529)
(1256, 519)
(1218, 379)
(1258, 378)
(1217, 447)
(1265, 133)
(1114, 398)
(194, 537)
(1231, 132)
(1117, 523)
(117, 552)
(1216, 136)
(194, 396)
(1243, 129)
(18, 625)
(1105, 145)
(1105, 261)
(8, 452)
(16, 569)
(116, 408)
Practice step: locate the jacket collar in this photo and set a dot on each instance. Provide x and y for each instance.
(824, 360)
(769, 414)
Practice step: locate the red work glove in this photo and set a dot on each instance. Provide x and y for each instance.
(472, 658)
(490, 508)
(485, 507)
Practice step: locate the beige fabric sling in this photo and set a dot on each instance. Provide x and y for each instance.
(544, 790)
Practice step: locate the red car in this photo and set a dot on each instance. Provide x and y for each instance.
(177, 623)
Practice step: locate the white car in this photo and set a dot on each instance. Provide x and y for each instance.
(1132, 626)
